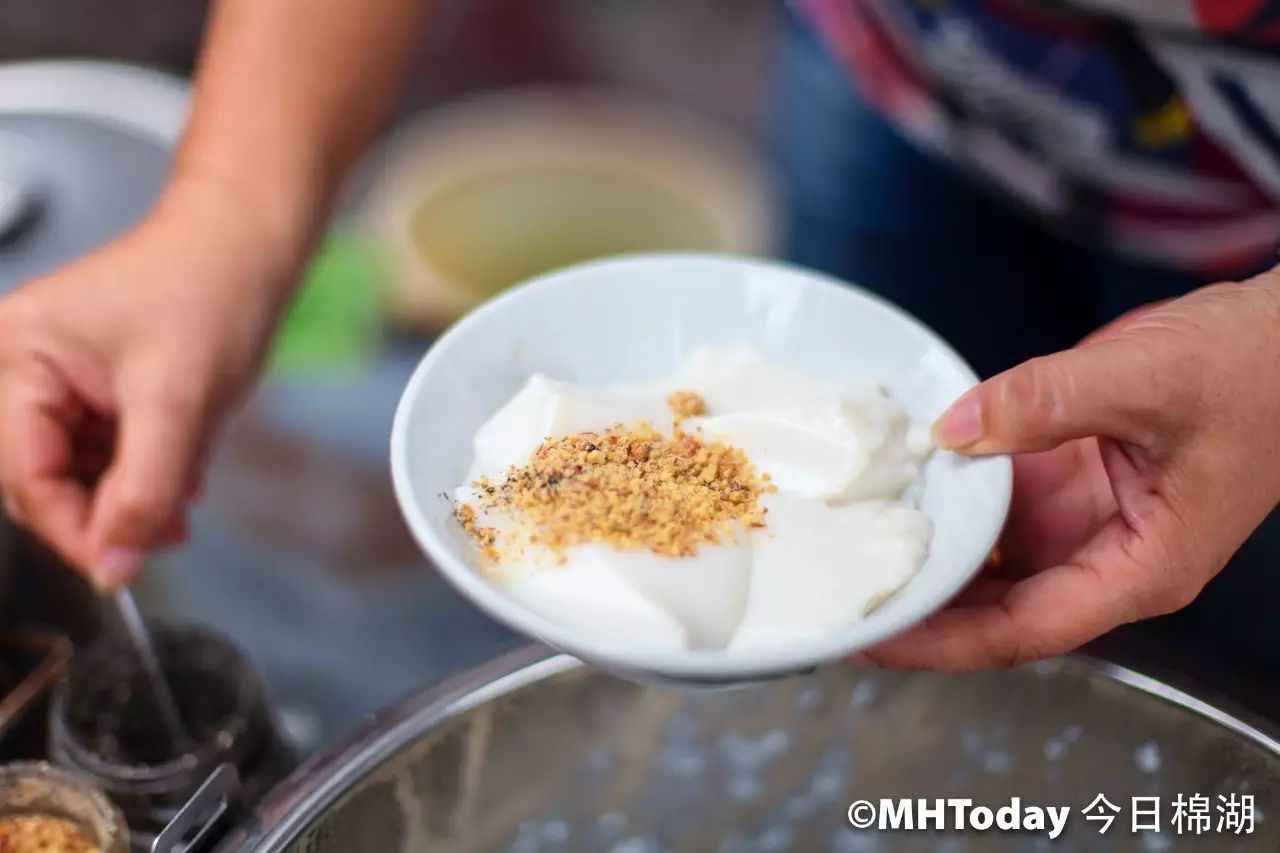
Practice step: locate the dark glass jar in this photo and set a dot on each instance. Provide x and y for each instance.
(104, 722)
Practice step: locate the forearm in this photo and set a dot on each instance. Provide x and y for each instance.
(287, 94)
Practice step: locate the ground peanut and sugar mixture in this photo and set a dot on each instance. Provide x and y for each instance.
(628, 487)
(43, 834)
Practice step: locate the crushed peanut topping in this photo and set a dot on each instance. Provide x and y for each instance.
(628, 487)
(43, 834)
(484, 537)
(686, 404)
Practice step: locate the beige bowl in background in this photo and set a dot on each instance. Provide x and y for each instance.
(489, 191)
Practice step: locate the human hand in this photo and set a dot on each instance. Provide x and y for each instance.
(1145, 456)
(116, 369)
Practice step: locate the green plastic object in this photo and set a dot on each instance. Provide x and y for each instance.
(335, 319)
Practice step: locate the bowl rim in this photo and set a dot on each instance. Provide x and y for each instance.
(710, 664)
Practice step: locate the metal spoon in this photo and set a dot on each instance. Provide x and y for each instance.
(145, 648)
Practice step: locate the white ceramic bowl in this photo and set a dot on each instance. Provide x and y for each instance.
(637, 317)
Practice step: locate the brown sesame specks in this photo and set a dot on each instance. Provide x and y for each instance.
(629, 488)
(686, 404)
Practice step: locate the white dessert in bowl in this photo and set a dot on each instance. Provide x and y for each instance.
(639, 323)
(770, 511)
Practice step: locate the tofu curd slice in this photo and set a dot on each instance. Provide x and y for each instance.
(706, 593)
(545, 407)
(840, 451)
(818, 567)
(584, 595)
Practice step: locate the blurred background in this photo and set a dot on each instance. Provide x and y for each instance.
(518, 123)
(529, 134)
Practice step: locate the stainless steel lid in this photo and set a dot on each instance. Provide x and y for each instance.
(84, 150)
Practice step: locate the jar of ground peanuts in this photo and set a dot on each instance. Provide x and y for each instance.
(44, 809)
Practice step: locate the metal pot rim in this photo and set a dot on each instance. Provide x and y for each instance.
(137, 99)
(294, 804)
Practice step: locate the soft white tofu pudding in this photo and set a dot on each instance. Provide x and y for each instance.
(732, 504)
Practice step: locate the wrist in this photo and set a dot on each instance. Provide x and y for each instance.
(273, 236)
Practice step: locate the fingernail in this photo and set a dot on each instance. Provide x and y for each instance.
(115, 567)
(961, 425)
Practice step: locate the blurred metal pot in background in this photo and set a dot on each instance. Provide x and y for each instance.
(88, 146)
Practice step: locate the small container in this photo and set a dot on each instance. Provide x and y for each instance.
(104, 722)
(35, 790)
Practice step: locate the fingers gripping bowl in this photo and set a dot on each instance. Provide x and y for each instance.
(636, 319)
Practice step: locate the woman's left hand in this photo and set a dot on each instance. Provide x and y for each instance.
(1145, 457)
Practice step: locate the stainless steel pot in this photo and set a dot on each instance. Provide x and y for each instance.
(537, 752)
